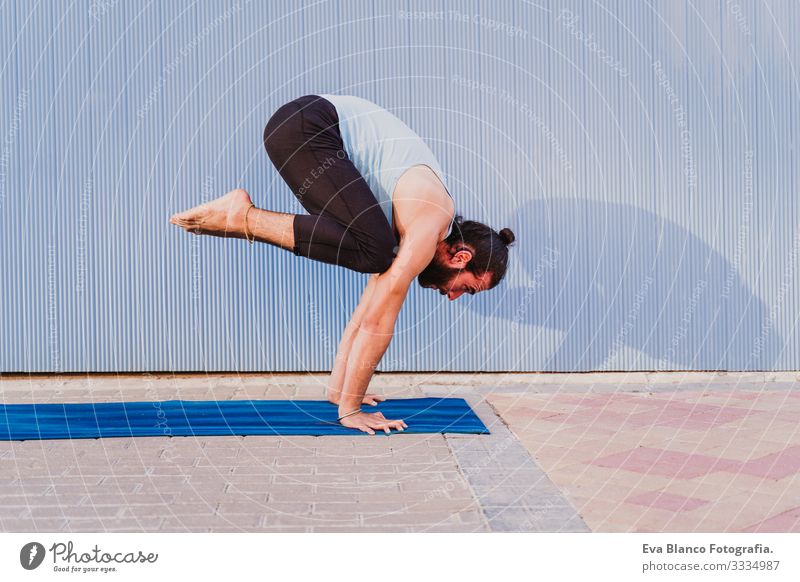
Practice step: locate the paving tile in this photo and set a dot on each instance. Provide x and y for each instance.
(441, 504)
(283, 519)
(166, 510)
(416, 519)
(197, 523)
(512, 519)
(665, 500)
(55, 524)
(358, 529)
(744, 510)
(266, 471)
(774, 466)
(326, 479)
(67, 500)
(361, 470)
(71, 511)
(664, 462)
(250, 507)
(711, 487)
(315, 461)
(361, 507)
(452, 528)
(785, 522)
(116, 524)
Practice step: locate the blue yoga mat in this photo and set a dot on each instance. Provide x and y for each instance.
(223, 417)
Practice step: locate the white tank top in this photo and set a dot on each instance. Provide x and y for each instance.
(381, 146)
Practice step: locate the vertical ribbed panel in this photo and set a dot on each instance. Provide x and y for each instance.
(644, 154)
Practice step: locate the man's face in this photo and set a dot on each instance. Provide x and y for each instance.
(447, 275)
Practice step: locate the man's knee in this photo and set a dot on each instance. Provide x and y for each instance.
(278, 133)
(271, 138)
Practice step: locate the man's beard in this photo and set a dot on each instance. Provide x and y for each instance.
(437, 274)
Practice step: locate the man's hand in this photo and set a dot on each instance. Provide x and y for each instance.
(370, 422)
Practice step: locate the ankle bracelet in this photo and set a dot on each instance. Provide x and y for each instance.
(351, 413)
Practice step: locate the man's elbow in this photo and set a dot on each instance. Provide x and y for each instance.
(376, 327)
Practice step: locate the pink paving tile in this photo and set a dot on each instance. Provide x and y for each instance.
(688, 415)
(788, 521)
(667, 463)
(598, 400)
(703, 421)
(679, 406)
(606, 417)
(538, 413)
(595, 400)
(775, 465)
(667, 501)
(571, 399)
(744, 395)
(791, 416)
(580, 417)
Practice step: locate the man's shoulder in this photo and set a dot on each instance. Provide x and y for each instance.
(421, 203)
(419, 178)
(420, 186)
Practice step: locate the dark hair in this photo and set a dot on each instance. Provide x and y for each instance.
(489, 248)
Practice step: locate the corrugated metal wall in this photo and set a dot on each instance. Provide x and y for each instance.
(645, 154)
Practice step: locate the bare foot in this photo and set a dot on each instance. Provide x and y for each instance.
(223, 216)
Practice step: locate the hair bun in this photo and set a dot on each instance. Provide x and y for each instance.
(507, 236)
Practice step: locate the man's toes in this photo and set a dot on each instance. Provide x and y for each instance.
(189, 225)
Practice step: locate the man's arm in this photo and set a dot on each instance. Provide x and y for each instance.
(336, 379)
(374, 334)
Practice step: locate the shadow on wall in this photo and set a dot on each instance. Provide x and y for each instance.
(611, 277)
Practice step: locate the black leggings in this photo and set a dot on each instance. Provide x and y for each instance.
(345, 225)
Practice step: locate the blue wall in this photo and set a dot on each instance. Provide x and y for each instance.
(645, 154)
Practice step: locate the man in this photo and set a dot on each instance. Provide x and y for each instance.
(368, 182)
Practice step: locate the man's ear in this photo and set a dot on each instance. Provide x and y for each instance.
(461, 258)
